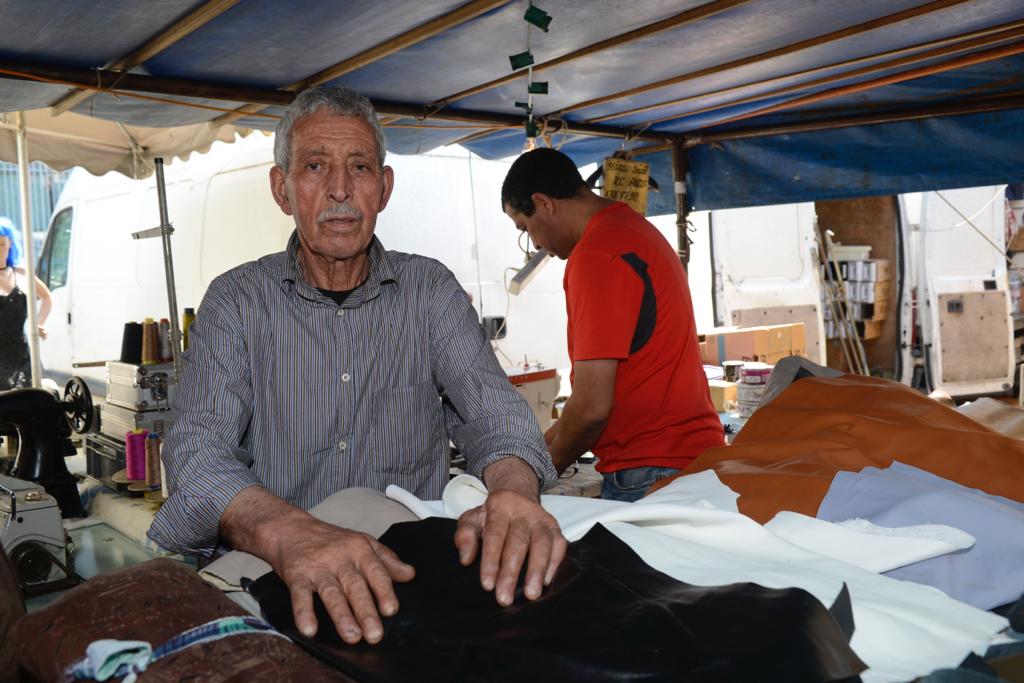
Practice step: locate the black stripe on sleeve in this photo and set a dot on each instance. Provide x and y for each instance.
(648, 316)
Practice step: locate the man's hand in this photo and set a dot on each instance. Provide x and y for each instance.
(510, 529)
(350, 571)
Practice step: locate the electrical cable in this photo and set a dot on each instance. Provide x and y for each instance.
(504, 321)
(976, 228)
(476, 235)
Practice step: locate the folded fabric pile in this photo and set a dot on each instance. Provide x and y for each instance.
(692, 532)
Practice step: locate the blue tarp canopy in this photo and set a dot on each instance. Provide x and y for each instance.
(773, 100)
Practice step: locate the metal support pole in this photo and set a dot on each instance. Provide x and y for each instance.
(26, 235)
(172, 295)
(680, 167)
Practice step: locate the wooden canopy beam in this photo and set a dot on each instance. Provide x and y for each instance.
(184, 26)
(1007, 101)
(118, 82)
(702, 12)
(470, 10)
(914, 54)
(930, 70)
(817, 41)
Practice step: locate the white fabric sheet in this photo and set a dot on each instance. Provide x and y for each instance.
(859, 542)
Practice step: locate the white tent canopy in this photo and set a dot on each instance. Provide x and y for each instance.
(100, 146)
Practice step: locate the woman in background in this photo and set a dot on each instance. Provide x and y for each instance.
(15, 366)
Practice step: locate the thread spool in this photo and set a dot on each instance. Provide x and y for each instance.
(135, 455)
(186, 321)
(150, 342)
(753, 379)
(165, 490)
(153, 459)
(165, 340)
(756, 373)
(731, 369)
(131, 343)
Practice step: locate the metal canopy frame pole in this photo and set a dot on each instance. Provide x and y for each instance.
(680, 167)
(26, 236)
(172, 294)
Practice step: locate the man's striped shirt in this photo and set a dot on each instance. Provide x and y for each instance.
(285, 389)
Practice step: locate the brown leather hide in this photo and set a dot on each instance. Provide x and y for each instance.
(785, 456)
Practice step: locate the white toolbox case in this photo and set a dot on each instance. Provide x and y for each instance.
(116, 421)
(140, 387)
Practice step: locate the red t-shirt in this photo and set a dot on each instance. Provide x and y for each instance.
(627, 298)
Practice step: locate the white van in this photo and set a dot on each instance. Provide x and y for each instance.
(446, 205)
(951, 322)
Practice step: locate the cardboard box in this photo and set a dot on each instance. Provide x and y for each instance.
(868, 292)
(748, 343)
(1017, 241)
(876, 311)
(798, 340)
(752, 343)
(722, 391)
(876, 291)
(878, 270)
(869, 329)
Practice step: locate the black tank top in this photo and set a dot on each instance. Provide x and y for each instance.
(14, 357)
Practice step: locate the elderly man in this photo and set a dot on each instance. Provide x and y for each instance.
(322, 368)
(640, 398)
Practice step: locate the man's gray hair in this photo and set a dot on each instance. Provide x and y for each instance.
(338, 100)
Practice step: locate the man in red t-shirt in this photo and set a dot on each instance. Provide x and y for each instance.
(640, 398)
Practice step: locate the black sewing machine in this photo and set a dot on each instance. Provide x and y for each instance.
(42, 490)
(44, 423)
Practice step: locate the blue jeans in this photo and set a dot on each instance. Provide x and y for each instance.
(632, 484)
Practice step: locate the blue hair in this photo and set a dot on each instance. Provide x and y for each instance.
(8, 230)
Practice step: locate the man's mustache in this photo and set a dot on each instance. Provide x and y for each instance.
(345, 210)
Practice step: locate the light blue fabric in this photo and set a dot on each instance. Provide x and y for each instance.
(631, 485)
(987, 575)
(105, 659)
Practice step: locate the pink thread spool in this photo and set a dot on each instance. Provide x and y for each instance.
(135, 454)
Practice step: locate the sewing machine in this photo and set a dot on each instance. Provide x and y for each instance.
(539, 386)
(41, 490)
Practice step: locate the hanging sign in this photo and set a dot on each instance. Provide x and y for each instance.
(626, 181)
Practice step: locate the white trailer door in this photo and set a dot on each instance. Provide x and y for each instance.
(766, 270)
(965, 318)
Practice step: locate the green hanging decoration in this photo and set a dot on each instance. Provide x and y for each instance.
(541, 19)
(532, 130)
(523, 59)
(537, 17)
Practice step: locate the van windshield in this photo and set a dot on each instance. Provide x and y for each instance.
(53, 262)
